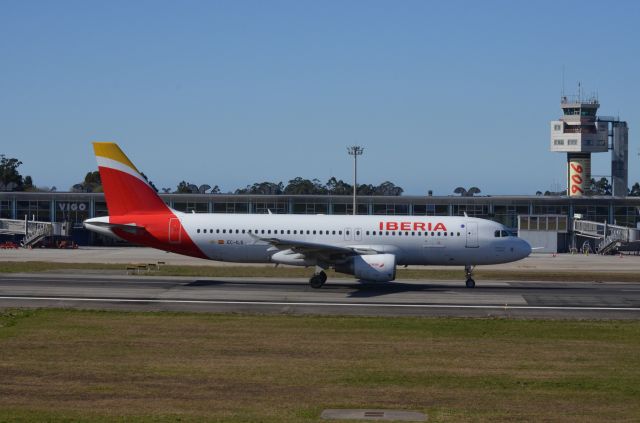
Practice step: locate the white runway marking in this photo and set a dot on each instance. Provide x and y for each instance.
(317, 304)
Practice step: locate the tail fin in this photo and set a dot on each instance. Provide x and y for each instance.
(125, 189)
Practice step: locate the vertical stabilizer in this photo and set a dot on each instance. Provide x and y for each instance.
(125, 189)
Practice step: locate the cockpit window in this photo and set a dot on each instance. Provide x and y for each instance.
(501, 234)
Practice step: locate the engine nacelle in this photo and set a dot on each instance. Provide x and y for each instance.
(372, 267)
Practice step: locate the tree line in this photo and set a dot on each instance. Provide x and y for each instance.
(12, 180)
(298, 186)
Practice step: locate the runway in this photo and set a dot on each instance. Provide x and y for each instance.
(585, 300)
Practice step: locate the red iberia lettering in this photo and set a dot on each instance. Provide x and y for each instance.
(412, 226)
(439, 227)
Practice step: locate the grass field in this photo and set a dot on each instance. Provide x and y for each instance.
(62, 365)
(453, 273)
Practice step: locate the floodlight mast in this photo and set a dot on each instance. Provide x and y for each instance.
(355, 151)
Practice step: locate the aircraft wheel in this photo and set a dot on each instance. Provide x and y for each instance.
(471, 283)
(318, 280)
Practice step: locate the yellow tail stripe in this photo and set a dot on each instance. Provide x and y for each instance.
(110, 150)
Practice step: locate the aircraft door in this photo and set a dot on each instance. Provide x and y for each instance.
(472, 235)
(175, 230)
(347, 234)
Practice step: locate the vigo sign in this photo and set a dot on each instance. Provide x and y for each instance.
(66, 207)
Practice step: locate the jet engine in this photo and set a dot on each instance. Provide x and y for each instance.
(371, 267)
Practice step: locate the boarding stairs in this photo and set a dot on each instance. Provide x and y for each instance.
(609, 238)
(33, 231)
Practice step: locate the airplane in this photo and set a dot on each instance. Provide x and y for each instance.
(367, 247)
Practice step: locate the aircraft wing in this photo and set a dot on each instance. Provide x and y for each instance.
(313, 249)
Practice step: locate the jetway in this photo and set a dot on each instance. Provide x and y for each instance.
(608, 238)
(33, 231)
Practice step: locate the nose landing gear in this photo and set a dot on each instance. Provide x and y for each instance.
(468, 270)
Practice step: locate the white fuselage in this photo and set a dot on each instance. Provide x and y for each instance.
(414, 240)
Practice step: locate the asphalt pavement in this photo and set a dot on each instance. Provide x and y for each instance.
(584, 300)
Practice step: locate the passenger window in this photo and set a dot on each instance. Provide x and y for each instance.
(308, 232)
(288, 232)
(367, 233)
(357, 232)
(458, 233)
(295, 232)
(347, 232)
(263, 231)
(224, 231)
(198, 230)
(339, 232)
(320, 232)
(445, 234)
(399, 233)
(387, 233)
(237, 231)
(243, 231)
(217, 231)
(333, 232)
(439, 233)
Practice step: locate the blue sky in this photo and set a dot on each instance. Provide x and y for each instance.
(441, 94)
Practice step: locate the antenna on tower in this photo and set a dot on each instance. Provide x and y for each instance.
(562, 93)
(579, 91)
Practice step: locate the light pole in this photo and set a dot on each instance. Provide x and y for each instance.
(355, 151)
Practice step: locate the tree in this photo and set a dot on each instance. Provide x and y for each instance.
(28, 184)
(338, 187)
(10, 178)
(91, 183)
(262, 188)
(600, 187)
(388, 189)
(635, 190)
(183, 188)
(300, 186)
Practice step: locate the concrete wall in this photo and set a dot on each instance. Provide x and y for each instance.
(548, 240)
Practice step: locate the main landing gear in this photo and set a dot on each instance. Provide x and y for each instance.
(468, 271)
(318, 279)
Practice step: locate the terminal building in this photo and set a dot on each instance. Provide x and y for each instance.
(549, 217)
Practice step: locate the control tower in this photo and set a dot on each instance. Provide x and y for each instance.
(579, 133)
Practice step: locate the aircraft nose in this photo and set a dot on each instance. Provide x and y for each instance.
(524, 249)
